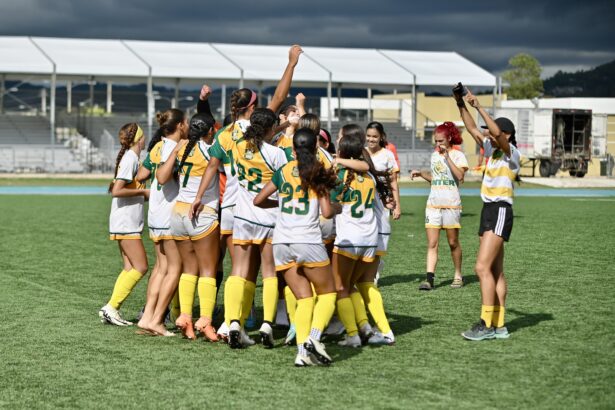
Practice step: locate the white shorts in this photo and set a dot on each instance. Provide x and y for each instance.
(247, 233)
(327, 227)
(157, 234)
(442, 218)
(310, 255)
(383, 244)
(184, 228)
(358, 253)
(227, 217)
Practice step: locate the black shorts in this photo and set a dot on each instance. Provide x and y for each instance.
(498, 218)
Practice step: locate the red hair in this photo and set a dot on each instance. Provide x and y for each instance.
(450, 131)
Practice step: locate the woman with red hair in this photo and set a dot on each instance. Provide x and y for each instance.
(443, 210)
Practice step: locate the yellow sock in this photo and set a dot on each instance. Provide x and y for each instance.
(373, 298)
(323, 311)
(498, 316)
(359, 309)
(248, 298)
(291, 304)
(186, 289)
(345, 311)
(124, 284)
(270, 298)
(486, 314)
(303, 319)
(174, 305)
(233, 298)
(207, 296)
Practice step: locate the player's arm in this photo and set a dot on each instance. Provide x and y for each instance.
(327, 209)
(165, 171)
(395, 187)
(208, 176)
(494, 130)
(466, 117)
(355, 164)
(262, 198)
(283, 87)
(202, 106)
(119, 190)
(426, 175)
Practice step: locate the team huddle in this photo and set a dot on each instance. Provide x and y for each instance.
(272, 188)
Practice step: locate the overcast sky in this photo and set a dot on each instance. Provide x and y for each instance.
(566, 35)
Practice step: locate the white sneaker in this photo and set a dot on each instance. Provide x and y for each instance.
(382, 339)
(245, 339)
(110, 315)
(234, 335)
(305, 361)
(365, 333)
(350, 341)
(266, 335)
(318, 350)
(335, 328)
(223, 332)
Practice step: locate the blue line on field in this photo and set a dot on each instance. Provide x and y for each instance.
(519, 192)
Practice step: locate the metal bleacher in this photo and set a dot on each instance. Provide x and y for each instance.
(24, 129)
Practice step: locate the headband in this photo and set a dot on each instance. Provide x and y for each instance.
(324, 135)
(252, 100)
(138, 136)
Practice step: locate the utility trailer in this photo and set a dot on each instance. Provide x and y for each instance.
(559, 139)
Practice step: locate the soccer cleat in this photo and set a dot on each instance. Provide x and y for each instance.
(365, 333)
(335, 328)
(304, 361)
(110, 315)
(234, 336)
(426, 285)
(223, 332)
(266, 335)
(291, 336)
(479, 332)
(184, 323)
(204, 327)
(381, 339)
(246, 340)
(501, 333)
(318, 350)
(350, 341)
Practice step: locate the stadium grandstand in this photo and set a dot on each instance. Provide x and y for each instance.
(62, 100)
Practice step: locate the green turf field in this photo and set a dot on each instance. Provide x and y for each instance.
(57, 269)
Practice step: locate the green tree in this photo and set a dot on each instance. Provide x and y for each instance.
(523, 77)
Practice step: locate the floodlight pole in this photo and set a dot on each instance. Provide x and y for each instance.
(175, 103)
(109, 96)
(69, 96)
(369, 104)
(414, 110)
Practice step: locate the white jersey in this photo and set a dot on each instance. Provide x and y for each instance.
(500, 173)
(191, 174)
(444, 186)
(356, 225)
(162, 197)
(222, 149)
(298, 219)
(254, 169)
(126, 217)
(384, 160)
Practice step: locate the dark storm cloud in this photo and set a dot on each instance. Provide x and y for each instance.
(558, 33)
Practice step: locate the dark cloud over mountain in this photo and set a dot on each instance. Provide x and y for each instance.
(561, 34)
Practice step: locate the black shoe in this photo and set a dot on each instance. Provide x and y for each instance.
(426, 285)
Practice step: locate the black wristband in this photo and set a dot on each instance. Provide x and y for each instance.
(461, 104)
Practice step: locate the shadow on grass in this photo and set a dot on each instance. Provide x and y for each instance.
(524, 320)
(400, 324)
(467, 214)
(393, 279)
(467, 280)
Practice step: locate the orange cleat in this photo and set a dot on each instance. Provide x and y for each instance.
(203, 325)
(184, 323)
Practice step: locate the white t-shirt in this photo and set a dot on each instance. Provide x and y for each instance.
(384, 160)
(126, 215)
(500, 173)
(444, 187)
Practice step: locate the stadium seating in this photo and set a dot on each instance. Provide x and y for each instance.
(24, 129)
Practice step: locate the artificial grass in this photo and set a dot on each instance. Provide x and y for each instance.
(58, 268)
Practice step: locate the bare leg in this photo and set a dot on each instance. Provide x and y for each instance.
(453, 242)
(487, 253)
(153, 287)
(167, 287)
(433, 237)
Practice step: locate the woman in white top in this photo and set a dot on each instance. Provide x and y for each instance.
(126, 221)
(174, 125)
(443, 210)
(496, 218)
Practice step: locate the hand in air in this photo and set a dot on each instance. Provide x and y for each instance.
(472, 100)
(205, 92)
(294, 53)
(300, 99)
(415, 173)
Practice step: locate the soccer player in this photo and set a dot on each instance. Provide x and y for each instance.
(195, 238)
(496, 219)
(126, 221)
(443, 211)
(303, 187)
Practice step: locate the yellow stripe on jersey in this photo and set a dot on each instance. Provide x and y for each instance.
(497, 192)
(503, 171)
(284, 142)
(324, 158)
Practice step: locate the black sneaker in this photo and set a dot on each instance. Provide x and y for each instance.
(426, 285)
(479, 332)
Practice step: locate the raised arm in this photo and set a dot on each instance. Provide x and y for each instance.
(202, 106)
(300, 103)
(468, 121)
(283, 87)
(494, 130)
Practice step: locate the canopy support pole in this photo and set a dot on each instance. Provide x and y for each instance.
(69, 96)
(175, 100)
(223, 103)
(109, 96)
(369, 104)
(414, 110)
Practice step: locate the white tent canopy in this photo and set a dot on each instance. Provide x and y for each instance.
(121, 59)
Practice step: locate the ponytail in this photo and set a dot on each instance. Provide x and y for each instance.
(126, 136)
(262, 121)
(312, 172)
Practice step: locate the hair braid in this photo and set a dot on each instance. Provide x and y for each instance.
(126, 136)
